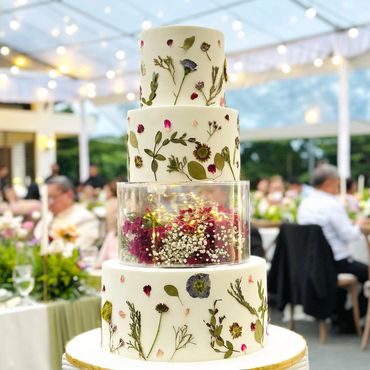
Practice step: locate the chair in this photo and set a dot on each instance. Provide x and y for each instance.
(365, 336)
(303, 272)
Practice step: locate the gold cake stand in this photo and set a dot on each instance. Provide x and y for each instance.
(284, 350)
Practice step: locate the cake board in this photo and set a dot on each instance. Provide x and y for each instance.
(284, 350)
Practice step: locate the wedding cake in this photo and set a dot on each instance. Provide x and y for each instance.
(185, 287)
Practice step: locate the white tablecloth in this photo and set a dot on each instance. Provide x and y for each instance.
(24, 338)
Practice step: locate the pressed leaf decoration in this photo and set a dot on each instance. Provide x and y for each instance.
(219, 161)
(172, 291)
(188, 43)
(133, 140)
(106, 311)
(197, 171)
(166, 64)
(153, 90)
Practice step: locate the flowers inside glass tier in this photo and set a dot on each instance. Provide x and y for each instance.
(184, 225)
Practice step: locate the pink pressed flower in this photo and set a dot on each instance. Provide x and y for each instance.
(147, 289)
(243, 347)
(169, 42)
(122, 279)
(122, 314)
(140, 128)
(250, 279)
(167, 124)
(141, 43)
(193, 96)
(253, 326)
(222, 102)
(211, 168)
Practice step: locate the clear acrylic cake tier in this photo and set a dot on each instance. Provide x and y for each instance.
(184, 224)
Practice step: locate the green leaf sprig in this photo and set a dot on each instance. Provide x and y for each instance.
(135, 331)
(182, 338)
(166, 64)
(215, 327)
(153, 90)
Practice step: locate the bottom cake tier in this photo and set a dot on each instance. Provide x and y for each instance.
(184, 314)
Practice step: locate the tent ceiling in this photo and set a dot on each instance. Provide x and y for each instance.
(92, 31)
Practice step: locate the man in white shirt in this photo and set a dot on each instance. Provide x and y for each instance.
(323, 208)
(66, 212)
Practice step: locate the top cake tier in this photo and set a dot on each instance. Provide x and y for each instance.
(182, 65)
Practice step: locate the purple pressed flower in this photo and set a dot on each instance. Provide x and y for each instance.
(227, 117)
(211, 168)
(147, 289)
(253, 326)
(199, 85)
(169, 42)
(140, 128)
(161, 308)
(199, 286)
(167, 124)
(189, 65)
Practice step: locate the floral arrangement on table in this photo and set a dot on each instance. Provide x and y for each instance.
(64, 278)
(275, 206)
(357, 205)
(196, 235)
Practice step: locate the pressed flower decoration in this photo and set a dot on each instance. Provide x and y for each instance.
(189, 67)
(138, 161)
(167, 124)
(169, 42)
(147, 289)
(140, 128)
(212, 168)
(193, 96)
(235, 330)
(205, 47)
(199, 286)
(202, 152)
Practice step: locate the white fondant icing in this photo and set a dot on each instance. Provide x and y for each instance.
(123, 284)
(198, 123)
(168, 42)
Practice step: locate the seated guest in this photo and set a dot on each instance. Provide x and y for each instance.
(95, 180)
(19, 207)
(263, 186)
(296, 187)
(66, 212)
(55, 171)
(109, 250)
(352, 204)
(276, 189)
(323, 208)
(111, 206)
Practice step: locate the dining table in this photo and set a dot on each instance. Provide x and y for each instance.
(33, 337)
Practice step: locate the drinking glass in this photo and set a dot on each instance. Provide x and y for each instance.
(23, 276)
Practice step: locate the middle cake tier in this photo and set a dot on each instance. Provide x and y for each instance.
(172, 144)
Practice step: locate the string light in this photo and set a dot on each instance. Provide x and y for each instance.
(55, 32)
(311, 13)
(61, 50)
(4, 50)
(14, 70)
(238, 66)
(71, 29)
(120, 54)
(110, 74)
(353, 32)
(14, 25)
(63, 68)
(53, 73)
(337, 60)
(145, 25)
(20, 61)
(312, 115)
(160, 14)
(52, 84)
(318, 62)
(286, 68)
(107, 10)
(119, 87)
(66, 19)
(281, 49)
(130, 96)
(237, 25)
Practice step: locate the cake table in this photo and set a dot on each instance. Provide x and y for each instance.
(284, 350)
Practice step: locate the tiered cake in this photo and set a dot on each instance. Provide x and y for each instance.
(185, 288)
